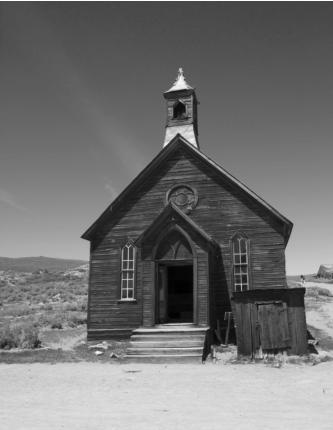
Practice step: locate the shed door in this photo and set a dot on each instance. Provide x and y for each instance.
(273, 323)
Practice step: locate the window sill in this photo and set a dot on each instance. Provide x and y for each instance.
(127, 301)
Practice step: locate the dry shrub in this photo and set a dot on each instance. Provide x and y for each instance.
(61, 319)
(75, 319)
(318, 291)
(56, 323)
(16, 310)
(325, 292)
(51, 319)
(19, 335)
(46, 307)
(78, 306)
(311, 292)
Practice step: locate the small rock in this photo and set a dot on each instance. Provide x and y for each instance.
(114, 355)
(102, 345)
(99, 352)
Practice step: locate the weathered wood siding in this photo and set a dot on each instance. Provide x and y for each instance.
(273, 319)
(297, 322)
(220, 302)
(222, 210)
(202, 287)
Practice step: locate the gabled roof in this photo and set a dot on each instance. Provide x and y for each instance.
(171, 211)
(179, 142)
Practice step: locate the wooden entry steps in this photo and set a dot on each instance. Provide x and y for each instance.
(167, 343)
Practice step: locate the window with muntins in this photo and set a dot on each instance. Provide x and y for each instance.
(240, 263)
(127, 272)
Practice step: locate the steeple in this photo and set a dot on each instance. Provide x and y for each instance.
(181, 111)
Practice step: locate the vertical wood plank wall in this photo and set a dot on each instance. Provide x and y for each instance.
(221, 211)
(247, 320)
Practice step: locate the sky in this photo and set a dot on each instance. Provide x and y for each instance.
(82, 111)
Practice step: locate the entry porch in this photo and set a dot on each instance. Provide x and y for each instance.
(176, 260)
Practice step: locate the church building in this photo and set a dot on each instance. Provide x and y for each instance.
(187, 253)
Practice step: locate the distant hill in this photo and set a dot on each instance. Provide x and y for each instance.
(31, 264)
(325, 271)
(298, 277)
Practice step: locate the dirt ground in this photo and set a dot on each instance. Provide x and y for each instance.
(319, 315)
(94, 392)
(175, 396)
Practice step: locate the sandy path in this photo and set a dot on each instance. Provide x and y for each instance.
(322, 317)
(92, 396)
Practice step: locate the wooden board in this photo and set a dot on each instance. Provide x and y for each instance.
(273, 323)
(276, 318)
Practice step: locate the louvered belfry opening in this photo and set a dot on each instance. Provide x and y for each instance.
(179, 110)
(174, 296)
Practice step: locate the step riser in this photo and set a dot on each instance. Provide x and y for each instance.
(167, 344)
(164, 359)
(167, 351)
(169, 332)
(158, 338)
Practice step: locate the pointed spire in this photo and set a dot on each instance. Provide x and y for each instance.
(180, 83)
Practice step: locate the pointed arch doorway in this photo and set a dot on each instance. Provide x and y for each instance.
(175, 281)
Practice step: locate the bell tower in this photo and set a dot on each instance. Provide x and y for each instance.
(182, 116)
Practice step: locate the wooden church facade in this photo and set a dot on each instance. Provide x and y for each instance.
(185, 243)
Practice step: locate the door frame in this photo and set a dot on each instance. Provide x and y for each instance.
(170, 263)
(193, 261)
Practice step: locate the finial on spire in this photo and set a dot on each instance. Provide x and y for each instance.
(180, 82)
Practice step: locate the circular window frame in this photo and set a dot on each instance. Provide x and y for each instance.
(186, 209)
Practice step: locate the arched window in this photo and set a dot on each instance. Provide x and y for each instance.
(174, 247)
(240, 263)
(179, 110)
(127, 271)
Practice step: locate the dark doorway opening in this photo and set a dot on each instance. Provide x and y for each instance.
(180, 294)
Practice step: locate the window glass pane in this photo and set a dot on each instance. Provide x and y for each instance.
(237, 270)
(244, 279)
(130, 252)
(236, 246)
(243, 269)
(238, 287)
(125, 253)
(243, 246)
(131, 265)
(237, 279)
(243, 258)
(245, 287)
(237, 259)
(130, 294)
